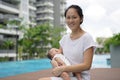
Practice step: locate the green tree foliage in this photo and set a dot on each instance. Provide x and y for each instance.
(1, 26)
(56, 34)
(114, 40)
(3, 59)
(7, 44)
(100, 41)
(35, 40)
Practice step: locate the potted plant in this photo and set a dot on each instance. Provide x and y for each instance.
(113, 44)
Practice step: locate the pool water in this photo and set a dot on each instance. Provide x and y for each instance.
(20, 67)
(101, 61)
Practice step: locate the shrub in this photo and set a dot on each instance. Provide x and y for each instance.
(114, 40)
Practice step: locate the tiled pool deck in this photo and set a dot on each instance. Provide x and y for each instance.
(96, 74)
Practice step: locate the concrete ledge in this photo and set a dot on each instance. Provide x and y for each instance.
(96, 74)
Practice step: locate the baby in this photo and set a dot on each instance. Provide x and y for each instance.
(58, 59)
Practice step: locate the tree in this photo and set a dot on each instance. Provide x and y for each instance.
(56, 34)
(1, 26)
(8, 44)
(35, 40)
(114, 40)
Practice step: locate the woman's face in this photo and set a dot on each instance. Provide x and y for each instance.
(73, 19)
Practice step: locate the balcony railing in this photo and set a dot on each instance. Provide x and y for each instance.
(15, 2)
(6, 16)
(8, 4)
(45, 11)
(45, 4)
(7, 51)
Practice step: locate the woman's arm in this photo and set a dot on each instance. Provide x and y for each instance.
(87, 61)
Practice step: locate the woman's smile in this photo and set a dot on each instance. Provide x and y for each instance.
(73, 19)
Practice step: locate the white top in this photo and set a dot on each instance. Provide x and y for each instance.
(73, 50)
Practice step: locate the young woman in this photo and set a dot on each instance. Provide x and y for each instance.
(77, 47)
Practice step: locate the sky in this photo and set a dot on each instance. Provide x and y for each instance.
(101, 17)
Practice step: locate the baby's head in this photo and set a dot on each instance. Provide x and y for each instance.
(52, 52)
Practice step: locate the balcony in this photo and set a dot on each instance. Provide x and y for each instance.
(7, 51)
(9, 8)
(1, 16)
(44, 11)
(4, 17)
(10, 4)
(32, 1)
(32, 6)
(45, 4)
(45, 18)
(15, 2)
(32, 13)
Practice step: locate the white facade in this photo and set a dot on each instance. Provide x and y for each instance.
(51, 11)
(44, 12)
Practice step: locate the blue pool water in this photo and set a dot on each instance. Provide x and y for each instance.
(100, 61)
(20, 67)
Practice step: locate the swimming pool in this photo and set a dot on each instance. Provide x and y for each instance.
(20, 67)
(100, 61)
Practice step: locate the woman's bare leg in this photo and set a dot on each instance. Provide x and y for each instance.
(46, 78)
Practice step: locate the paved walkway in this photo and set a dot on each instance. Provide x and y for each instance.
(96, 74)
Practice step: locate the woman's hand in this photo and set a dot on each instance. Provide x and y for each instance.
(58, 70)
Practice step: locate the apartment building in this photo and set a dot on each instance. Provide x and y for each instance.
(27, 11)
(33, 12)
(13, 10)
(50, 11)
(44, 11)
